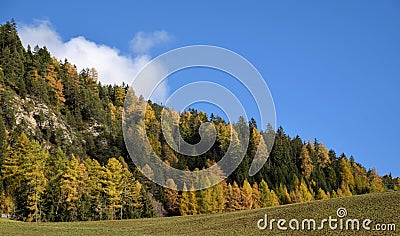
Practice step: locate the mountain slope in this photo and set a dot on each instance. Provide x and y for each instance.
(49, 109)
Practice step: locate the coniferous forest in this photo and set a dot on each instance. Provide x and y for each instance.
(63, 156)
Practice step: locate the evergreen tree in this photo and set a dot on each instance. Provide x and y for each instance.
(134, 196)
(3, 141)
(6, 204)
(346, 174)
(71, 183)
(193, 206)
(344, 190)
(218, 196)
(113, 186)
(306, 162)
(234, 198)
(361, 183)
(95, 188)
(56, 167)
(24, 176)
(2, 80)
(147, 209)
(375, 181)
(247, 195)
(323, 157)
(306, 195)
(283, 194)
(265, 195)
(55, 84)
(321, 195)
(255, 196)
(184, 201)
(396, 186)
(188, 203)
(35, 179)
(274, 199)
(171, 197)
(205, 199)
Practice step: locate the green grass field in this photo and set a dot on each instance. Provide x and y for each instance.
(380, 208)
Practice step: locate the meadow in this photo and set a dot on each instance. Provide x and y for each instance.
(381, 208)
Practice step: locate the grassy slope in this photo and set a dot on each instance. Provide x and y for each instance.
(381, 208)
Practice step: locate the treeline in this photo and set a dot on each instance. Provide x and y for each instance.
(51, 187)
(350, 179)
(296, 171)
(60, 129)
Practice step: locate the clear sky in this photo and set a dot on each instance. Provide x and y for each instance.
(333, 68)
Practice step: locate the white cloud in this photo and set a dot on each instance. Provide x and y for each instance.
(143, 42)
(113, 68)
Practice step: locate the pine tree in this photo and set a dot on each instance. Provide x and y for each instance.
(6, 64)
(219, 199)
(346, 173)
(119, 96)
(234, 198)
(24, 175)
(147, 209)
(184, 201)
(3, 140)
(12, 173)
(56, 167)
(265, 195)
(274, 199)
(35, 179)
(247, 195)
(171, 197)
(334, 194)
(188, 202)
(361, 183)
(306, 162)
(95, 187)
(55, 83)
(321, 195)
(223, 136)
(306, 195)
(255, 196)
(205, 198)
(323, 157)
(396, 186)
(6, 204)
(193, 206)
(344, 190)
(261, 154)
(71, 182)
(2, 79)
(113, 186)
(283, 194)
(132, 191)
(375, 181)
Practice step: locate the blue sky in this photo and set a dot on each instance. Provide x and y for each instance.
(333, 68)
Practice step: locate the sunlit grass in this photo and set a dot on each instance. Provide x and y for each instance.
(380, 207)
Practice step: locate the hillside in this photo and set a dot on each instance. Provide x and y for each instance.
(63, 155)
(379, 207)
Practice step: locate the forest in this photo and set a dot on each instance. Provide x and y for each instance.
(63, 155)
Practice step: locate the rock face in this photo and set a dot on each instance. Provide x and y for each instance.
(37, 118)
